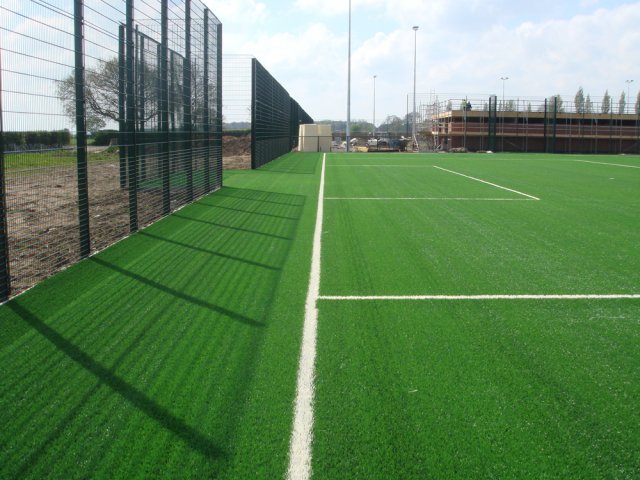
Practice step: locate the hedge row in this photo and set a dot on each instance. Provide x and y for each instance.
(47, 138)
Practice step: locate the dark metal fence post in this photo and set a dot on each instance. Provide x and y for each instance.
(218, 139)
(493, 113)
(140, 70)
(81, 131)
(164, 106)
(254, 129)
(186, 93)
(131, 123)
(5, 274)
(206, 106)
(122, 126)
(555, 125)
(546, 121)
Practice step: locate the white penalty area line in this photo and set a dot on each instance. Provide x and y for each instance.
(587, 296)
(302, 433)
(605, 163)
(488, 183)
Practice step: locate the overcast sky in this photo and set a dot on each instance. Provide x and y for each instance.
(545, 47)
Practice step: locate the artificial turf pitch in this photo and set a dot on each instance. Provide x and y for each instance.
(174, 353)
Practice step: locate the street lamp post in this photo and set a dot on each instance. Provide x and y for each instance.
(628, 82)
(374, 106)
(504, 109)
(348, 132)
(415, 50)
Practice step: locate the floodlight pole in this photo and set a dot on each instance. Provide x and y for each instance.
(504, 108)
(374, 106)
(415, 50)
(628, 82)
(349, 87)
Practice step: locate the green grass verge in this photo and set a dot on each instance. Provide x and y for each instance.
(172, 354)
(53, 158)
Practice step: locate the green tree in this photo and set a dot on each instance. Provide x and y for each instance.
(605, 107)
(579, 101)
(588, 105)
(622, 103)
(558, 102)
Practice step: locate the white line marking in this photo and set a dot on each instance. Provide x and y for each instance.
(302, 434)
(435, 198)
(587, 296)
(488, 183)
(605, 163)
(374, 165)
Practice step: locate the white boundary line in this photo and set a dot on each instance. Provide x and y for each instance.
(488, 183)
(302, 434)
(436, 198)
(586, 296)
(605, 163)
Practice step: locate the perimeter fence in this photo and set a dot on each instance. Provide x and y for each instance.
(139, 84)
(275, 118)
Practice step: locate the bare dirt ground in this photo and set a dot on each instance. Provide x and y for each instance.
(42, 213)
(236, 152)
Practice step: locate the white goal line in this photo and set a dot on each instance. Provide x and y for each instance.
(586, 296)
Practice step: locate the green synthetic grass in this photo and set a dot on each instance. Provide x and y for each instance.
(492, 389)
(172, 354)
(581, 237)
(479, 389)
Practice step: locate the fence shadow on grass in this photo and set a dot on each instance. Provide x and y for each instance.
(215, 241)
(164, 417)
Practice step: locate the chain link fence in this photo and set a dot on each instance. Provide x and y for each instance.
(110, 118)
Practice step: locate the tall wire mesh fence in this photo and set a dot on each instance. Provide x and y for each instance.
(275, 118)
(110, 118)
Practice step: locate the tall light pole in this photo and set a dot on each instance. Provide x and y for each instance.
(415, 51)
(349, 87)
(628, 82)
(504, 79)
(504, 109)
(374, 106)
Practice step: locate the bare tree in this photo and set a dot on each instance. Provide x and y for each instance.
(102, 94)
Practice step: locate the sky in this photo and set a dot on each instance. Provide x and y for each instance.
(464, 47)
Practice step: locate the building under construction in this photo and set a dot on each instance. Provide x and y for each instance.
(528, 126)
